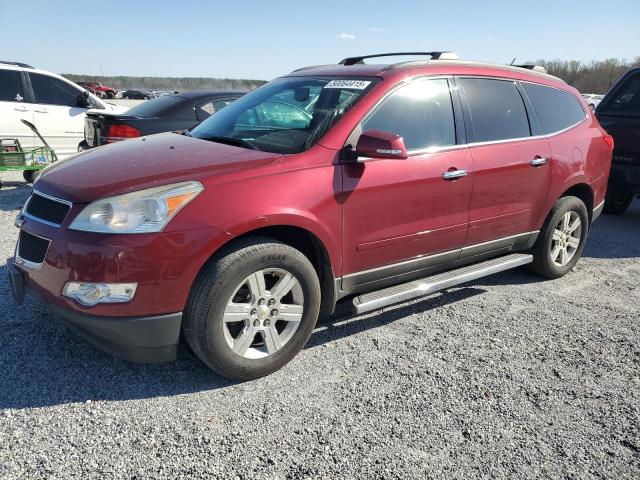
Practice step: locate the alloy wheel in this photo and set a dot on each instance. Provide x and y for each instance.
(566, 238)
(263, 313)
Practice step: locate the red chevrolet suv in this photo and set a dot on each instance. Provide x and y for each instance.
(378, 182)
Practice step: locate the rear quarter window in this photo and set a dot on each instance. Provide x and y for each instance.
(556, 109)
(497, 109)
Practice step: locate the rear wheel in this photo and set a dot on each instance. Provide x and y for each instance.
(110, 95)
(618, 199)
(252, 309)
(562, 238)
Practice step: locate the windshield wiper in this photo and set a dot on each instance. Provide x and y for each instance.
(237, 142)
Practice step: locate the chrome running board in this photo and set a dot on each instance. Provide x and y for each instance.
(425, 286)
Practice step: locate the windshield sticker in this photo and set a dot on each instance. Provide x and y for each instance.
(356, 84)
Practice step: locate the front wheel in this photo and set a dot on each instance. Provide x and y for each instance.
(30, 176)
(618, 199)
(252, 309)
(561, 239)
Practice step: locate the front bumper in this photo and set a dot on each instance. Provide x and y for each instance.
(147, 339)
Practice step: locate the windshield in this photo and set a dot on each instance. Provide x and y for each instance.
(287, 115)
(155, 106)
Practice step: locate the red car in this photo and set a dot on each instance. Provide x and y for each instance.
(99, 89)
(383, 182)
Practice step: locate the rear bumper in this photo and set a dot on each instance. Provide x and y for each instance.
(146, 339)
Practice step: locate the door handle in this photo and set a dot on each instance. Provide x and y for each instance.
(453, 174)
(539, 161)
(23, 109)
(44, 110)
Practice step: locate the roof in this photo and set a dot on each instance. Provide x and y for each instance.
(381, 70)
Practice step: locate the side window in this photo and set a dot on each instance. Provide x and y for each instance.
(420, 112)
(497, 109)
(556, 109)
(207, 109)
(626, 100)
(276, 114)
(248, 119)
(51, 91)
(10, 86)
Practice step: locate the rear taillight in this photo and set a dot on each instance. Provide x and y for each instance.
(608, 139)
(121, 132)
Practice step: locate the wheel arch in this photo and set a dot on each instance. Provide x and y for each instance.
(577, 186)
(300, 238)
(584, 192)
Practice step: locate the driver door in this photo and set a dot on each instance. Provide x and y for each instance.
(56, 114)
(401, 216)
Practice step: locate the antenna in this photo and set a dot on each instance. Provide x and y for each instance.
(513, 61)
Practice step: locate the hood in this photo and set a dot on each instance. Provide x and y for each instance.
(143, 163)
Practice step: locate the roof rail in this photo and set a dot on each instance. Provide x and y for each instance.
(445, 55)
(17, 64)
(535, 68)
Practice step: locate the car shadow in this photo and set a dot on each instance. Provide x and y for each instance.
(615, 236)
(43, 364)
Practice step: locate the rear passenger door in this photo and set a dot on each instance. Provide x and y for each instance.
(510, 159)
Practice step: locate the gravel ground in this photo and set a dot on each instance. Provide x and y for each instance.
(508, 377)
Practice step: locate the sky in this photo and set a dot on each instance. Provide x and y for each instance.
(265, 39)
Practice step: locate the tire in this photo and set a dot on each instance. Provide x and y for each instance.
(82, 146)
(110, 95)
(252, 346)
(30, 176)
(553, 238)
(618, 199)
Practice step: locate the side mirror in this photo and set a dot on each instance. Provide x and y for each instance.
(379, 144)
(84, 100)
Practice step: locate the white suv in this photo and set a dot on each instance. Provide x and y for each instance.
(52, 103)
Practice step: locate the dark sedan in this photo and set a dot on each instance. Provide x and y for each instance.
(163, 114)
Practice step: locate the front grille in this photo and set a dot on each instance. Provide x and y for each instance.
(47, 209)
(32, 248)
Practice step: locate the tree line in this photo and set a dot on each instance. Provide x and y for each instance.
(168, 83)
(592, 77)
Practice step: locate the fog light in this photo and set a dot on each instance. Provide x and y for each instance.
(90, 294)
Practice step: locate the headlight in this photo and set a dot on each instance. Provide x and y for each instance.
(137, 212)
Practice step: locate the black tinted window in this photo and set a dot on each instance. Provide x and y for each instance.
(556, 109)
(10, 86)
(626, 100)
(420, 112)
(497, 109)
(51, 91)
